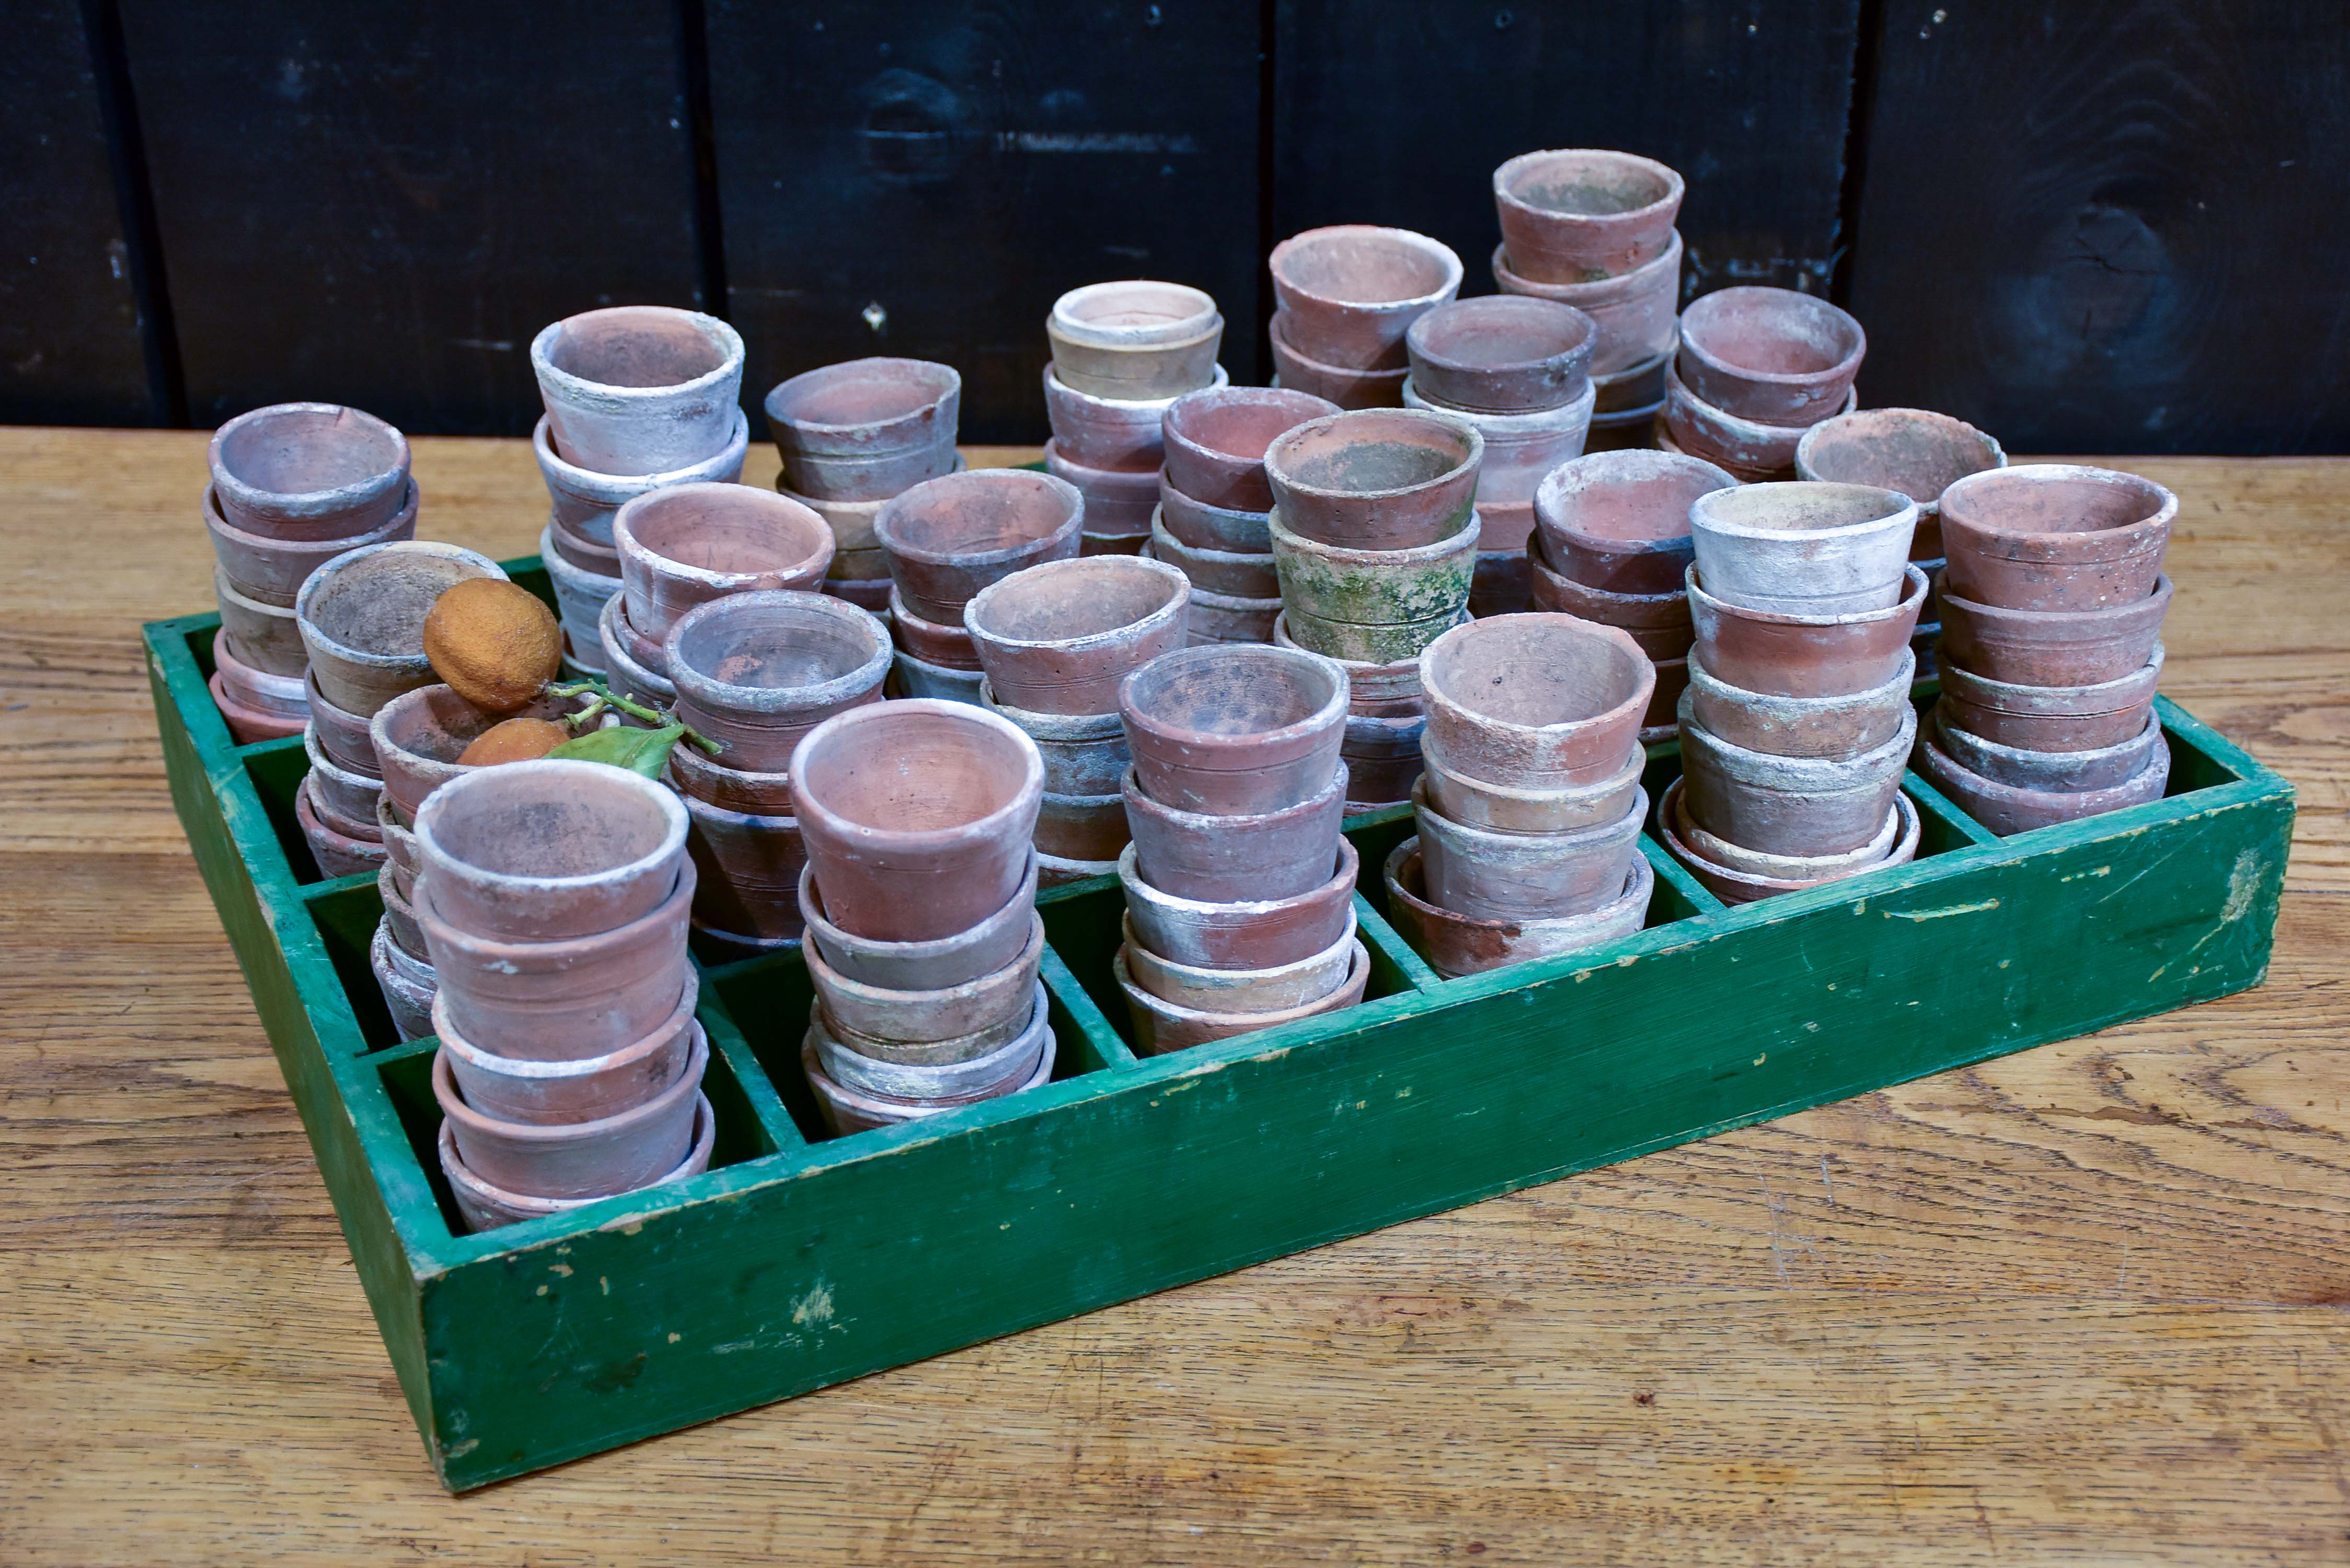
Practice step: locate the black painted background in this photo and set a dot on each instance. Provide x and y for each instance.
(2086, 225)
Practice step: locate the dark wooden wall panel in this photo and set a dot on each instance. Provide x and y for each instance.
(924, 178)
(70, 346)
(380, 204)
(2112, 225)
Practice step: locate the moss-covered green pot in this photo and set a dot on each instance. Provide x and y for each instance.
(1373, 606)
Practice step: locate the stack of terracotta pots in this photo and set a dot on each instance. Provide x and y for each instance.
(853, 436)
(1055, 642)
(1122, 354)
(1917, 453)
(638, 397)
(1531, 808)
(754, 672)
(1239, 886)
(2050, 650)
(1375, 534)
(553, 897)
(919, 894)
(687, 544)
(946, 539)
(1613, 547)
(1517, 371)
(1594, 228)
(1796, 726)
(293, 486)
(1345, 296)
(1214, 499)
(1756, 368)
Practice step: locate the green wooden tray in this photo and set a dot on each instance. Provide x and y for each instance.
(801, 1260)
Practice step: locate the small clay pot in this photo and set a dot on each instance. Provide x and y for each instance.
(2056, 536)
(584, 500)
(747, 871)
(1502, 354)
(1748, 448)
(952, 1070)
(627, 672)
(406, 984)
(1215, 442)
(913, 676)
(1229, 618)
(1134, 339)
(1735, 887)
(1227, 571)
(1162, 1026)
(866, 429)
(2073, 771)
(1536, 700)
(1806, 549)
(638, 389)
(2053, 648)
(362, 618)
(1769, 355)
(309, 471)
(267, 637)
(1528, 809)
(2052, 718)
(542, 850)
(690, 543)
(1791, 806)
(348, 794)
(337, 853)
(1660, 623)
(1456, 944)
(1619, 521)
(756, 672)
(1252, 933)
(1085, 753)
(2007, 809)
(485, 1207)
(1060, 637)
(1504, 527)
(1307, 980)
(1294, 370)
(1843, 726)
(1583, 214)
(598, 557)
(981, 948)
(1382, 757)
(1227, 856)
(543, 1093)
(1504, 585)
(580, 595)
(697, 776)
(271, 571)
(1087, 828)
(1804, 656)
(949, 646)
(866, 593)
(979, 1014)
(399, 844)
(950, 537)
(1234, 729)
(1520, 448)
(399, 914)
(1201, 527)
(1634, 311)
(1387, 690)
(416, 739)
(1796, 870)
(279, 696)
(848, 1110)
(1119, 502)
(1351, 291)
(1373, 606)
(1913, 450)
(1115, 434)
(1492, 875)
(1376, 479)
(616, 1153)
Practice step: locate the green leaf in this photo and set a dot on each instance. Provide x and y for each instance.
(642, 752)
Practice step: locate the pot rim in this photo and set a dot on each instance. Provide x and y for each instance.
(1635, 886)
(1579, 351)
(1205, 976)
(1142, 408)
(307, 504)
(2109, 620)
(320, 580)
(1676, 188)
(1768, 702)
(560, 774)
(1223, 516)
(1357, 669)
(1238, 912)
(753, 782)
(321, 762)
(1461, 541)
(320, 551)
(943, 382)
(1062, 728)
(905, 952)
(2147, 737)
(1599, 294)
(1059, 489)
(1025, 1042)
(454, 1109)
(1548, 736)
(1982, 692)
(1233, 604)
(1810, 774)
(1513, 428)
(1594, 470)
(1434, 249)
(1202, 399)
(1431, 753)
(1199, 746)
(516, 955)
(1358, 963)
(617, 489)
(1703, 518)
(555, 1069)
(868, 994)
(2092, 802)
(727, 696)
(1208, 822)
(1634, 819)
(1177, 332)
(1914, 582)
(1906, 840)
(2155, 526)
(1277, 469)
(607, 398)
(1162, 539)
(288, 690)
(893, 1109)
(1946, 423)
(1738, 428)
(561, 566)
(1787, 867)
(614, 637)
(1847, 367)
(1283, 344)
(491, 1195)
(630, 549)
(931, 841)
(1177, 604)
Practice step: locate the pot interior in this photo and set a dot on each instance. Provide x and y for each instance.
(1915, 452)
(1064, 600)
(301, 451)
(2016, 501)
(1233, 689)
(634, 345)
(1138, 304)
(1533, 670)
(1500, 331)
(520, 821)
(1360, 268)
(975, 514)
(1796, 507)
(435, 724)
(776, 642)
(1242, 427)
(861, 392)
(376, 604)
(1770, 331)
(1646, 499)
(728, 528)
(1369, 452)
(1589, 184)
(903, 768)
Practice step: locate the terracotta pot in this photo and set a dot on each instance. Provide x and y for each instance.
(347, 794)
(1376, 479)
(617, 1153)
(1224, 856)
(407, 985)
(1201, 527)
(1619, 521)
(1382, 757)
(980, 948)
(1803, 656)
(2007, 809)
(362, 618)
(330, 814)
(1253, 933)
(485, 1207)
(1635, 311)
(1791, 806)
(918, 678)
(585, 500)
(1215, 442)
(1529, 808)
(1162, 1026)
(1115, 434)
(598, 558)
(1087, 828)
(541, 850)
(1662, 721)
(271, 571)
(2054, 536)
(542, 1092)
(1770, 354)
(1913, 450)
(925, 1073)
(1085, 753)
(979, 1014)
(1060, 637)
(2053, 648)
(1733, 887)
(309, 471)
(848, 1110)
(580, 596)
(698, 777)
(1501, 354)
(628, 673)
(1456, 944)
(1294, 370)
(1504, 527)
(1796, 870)
(1235, 729)
(1118, 502)
(1580, 215)
(690, 543)
(1351, 291)
(417, 738)
(1843, 726)
(1804, 548)
(1659, 624)
(638, 389)
(1134, 339)
(399, 844)
(1231, 573)
(747, 867)
(866, 593)
(1219, 619)
(851, 523)
(866, 429)
(1504, 585)
(1536, 700)
(756, 672)
(1386, 689)
(398, 914)
(1373, 606)
(1524, 876)
(2052, 718)
(950, 537)
(265, 636)
(1298, 984)
(2072, 771)
(1747, 447)
(1637, 390)
(279, 696)
(1519, 448)
(1055, 872)
(337, 853)
(948, 646)
(870, 565)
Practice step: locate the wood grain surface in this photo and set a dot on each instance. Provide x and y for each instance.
(2083, 1303)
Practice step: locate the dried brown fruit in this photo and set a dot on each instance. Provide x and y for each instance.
(494, 642)
(512, 741)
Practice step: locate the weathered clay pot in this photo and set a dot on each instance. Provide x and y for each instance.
(1308, 980)
(1161, 1027)
(1294, 370)
(337, 853)
(1660, 623)
(1582, 214)
(399, 914)
(1215, 442)
(1913, 450)
(585, 500)
(271, 571)
(417, 738)
(1504, 585)
(981, 948)
(1843, 726)
(848, 1110)
(2008, 810)
(400, 844)
(948, 646)
(1227, 856)
(1227, 618)
(1529, 808)
(542, 850)
(952, 1070)
(346, 792)
(1373, 606)
(1637, 390)
(1059, 638)
(2053, 648)
(747, 867)
(617, 1153)
(362, 618)
(1351, 291)
(309, 471)
(2100, 767)
(918, 678)
(1234, 729)
(1520, 448)
(1383, 759)
(2056, 536)
(1456, 944)
(600, 558)
(865, 593)
(1502, 354)
(1662, 721)
(626, 671)
(1115, 434)
(1803, 656)
(638, 389)
(950, 537)
(1134, 339)
(1619, 521)
(279, 696)
(1536, 700)
(542, 1092)
(979, 1014)
(690, 543)
(866, 429)
(1735, 887)
(265, 636)
(1749, 448)
(406, 984)
(699, 777)
(1089, 829)
(1386, 689)
(756, 672)
(1504, 527)
(1119, 502)
(487, 1207)
(1376, 479)
(1085, 753)
(1203, 527)
(917, 815)
(1253, 933)
(1770, 354)
(1231, 573)
(1794, 869)
(1635, 311)
(580, 595)
(1791, 806)
(852, 530)
(331, 815)
(1492, 875)
(2051, 718)
(1804, 548)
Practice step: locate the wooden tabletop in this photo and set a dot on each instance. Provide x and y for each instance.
(2084, 1303)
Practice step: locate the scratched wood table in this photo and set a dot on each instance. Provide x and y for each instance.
(2083, 1302)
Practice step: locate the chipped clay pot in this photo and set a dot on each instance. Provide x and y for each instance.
(1526, 808)
(265, 636)
(2053, 648)
(1307, 980)
(362, 618)
(1230, 618)
(1502, 354)
(1117, 435)
(2051, 718)
(988, 1062)
(756, 672)
(690, 543)
(1735, 887)
(1841, 726)
(1215, 442)
(1161, 1027)
(1297, 369)
(1350, 292)
(417, 738)
(487, 1207)
(1375, 479)
(1583, 214)
(866, 429)
(1804, 548)
(2007, 809)
(1536, 700)
(1234, 729)
(345, 793)
(1373, 606)
(406, 984)
(851, 1110)
(1256, 933)
(917, 815)
(584, 500)
(1660, 623)
(1635, 311)
(1134, 339)
(1748, 448)
(1085, 753)
(857, 553)
(747, 869)
(1916, 451)
(1456, 944)
(2056, 536)
(1769, 355)
(1383, 759)
(950, 537)
(1619, 521)
(1227, 572)
(309, 471)
(1519, 448)
(2071, 771)
(998, 1002)
(542, 1091)
(1060, 637)
(337, 853)
(1224, 857)
(580, 595)
(638, 389)
(1804, 656)
(547, 850)
(1791, 806)
(271, 571)
(980, 948)
(947, 647)
(617, 1153)
(1202, 526)
(624, 666)
(279, 696)
(1491, 876)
